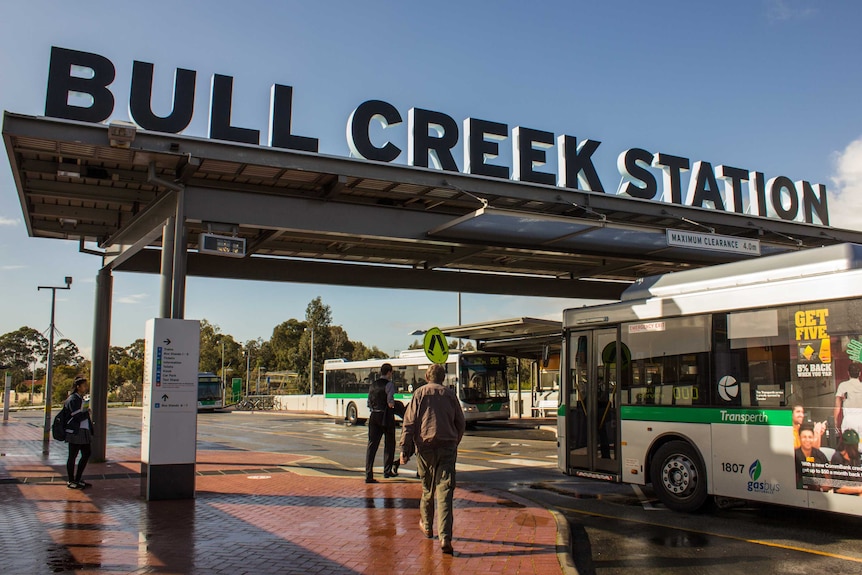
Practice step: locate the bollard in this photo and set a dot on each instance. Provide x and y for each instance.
(6, 394)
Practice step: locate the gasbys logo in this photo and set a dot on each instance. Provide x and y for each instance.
(756, 486)
(433, 135)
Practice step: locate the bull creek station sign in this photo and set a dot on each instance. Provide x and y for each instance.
(76, 76)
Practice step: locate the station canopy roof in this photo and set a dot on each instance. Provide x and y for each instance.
(526, 337)
(315, 218)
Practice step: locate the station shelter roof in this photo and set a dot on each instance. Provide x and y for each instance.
(314, 218)
(524, 337)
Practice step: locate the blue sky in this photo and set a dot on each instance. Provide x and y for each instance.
(769, 85)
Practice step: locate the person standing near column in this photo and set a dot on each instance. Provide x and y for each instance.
(433, 427)
(79, 432)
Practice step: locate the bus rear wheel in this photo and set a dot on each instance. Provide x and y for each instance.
(351, 415)
(679, 477)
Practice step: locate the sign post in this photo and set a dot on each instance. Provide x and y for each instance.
(6, 397)
(236, 389)
(169, 421)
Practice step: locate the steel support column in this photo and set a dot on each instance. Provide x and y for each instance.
(167, 268)
(101, 354)
(180, 247)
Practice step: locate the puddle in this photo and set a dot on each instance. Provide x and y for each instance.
(59, 560)
(686, 540)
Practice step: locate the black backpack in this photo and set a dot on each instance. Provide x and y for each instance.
(377, 395)
(58, 427)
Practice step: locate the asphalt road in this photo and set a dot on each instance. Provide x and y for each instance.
(616, 528)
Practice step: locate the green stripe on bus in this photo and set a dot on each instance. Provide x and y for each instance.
(406, 396)
(489, 406)
(708, 415)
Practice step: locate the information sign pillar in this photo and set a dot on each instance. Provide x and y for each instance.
(169, 422)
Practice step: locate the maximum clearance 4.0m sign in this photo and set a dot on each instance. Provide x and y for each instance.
(78, 89)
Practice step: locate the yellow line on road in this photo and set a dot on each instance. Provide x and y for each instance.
(743, 539)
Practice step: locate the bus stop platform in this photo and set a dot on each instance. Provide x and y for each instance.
(253, 513)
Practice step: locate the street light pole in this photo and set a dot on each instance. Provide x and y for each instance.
(459, 319)
(247, 368)
(311, 367)
(223, 389)
(33, 381)
(257, 388)
(49, 374)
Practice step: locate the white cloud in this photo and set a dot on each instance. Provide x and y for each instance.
(4, 221)
(12, 268)
(845, 198)
(781, 10)
(133, 299)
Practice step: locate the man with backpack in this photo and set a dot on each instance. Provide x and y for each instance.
(381, 423)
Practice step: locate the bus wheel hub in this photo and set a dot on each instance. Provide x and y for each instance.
(679, 475)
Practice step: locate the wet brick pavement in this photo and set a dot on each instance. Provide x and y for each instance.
(252, 514)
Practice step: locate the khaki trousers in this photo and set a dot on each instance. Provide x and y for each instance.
(436, 468)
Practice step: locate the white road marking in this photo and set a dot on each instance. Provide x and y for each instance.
(645, 503)
(468, 467)
(525, 462)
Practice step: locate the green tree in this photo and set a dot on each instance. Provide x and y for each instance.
(234, 359)
(339, 344)
(126, 371)
(219, 350)
(318, 318)
(210, 350)
(260, 356)
(116, 354)
(64, 376)
(19, 349)
(67, 353)
(361, 351)
(116, 376)
(136, 349)
(285, 345)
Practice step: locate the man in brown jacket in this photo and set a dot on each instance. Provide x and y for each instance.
(433, 427)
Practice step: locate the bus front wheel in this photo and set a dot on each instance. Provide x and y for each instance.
(351, 416)
(679, 477)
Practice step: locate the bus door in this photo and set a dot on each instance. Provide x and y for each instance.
(590, 433)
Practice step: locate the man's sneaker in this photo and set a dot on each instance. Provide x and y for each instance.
(82, 484)
(74, 485)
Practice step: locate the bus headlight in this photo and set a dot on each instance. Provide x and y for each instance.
(470, 408)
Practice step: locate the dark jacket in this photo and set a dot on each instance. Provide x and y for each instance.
(73, 425)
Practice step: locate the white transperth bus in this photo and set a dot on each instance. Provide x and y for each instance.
(480, 383)
(689, 382)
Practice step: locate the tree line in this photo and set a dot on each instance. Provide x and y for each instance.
(287, 350)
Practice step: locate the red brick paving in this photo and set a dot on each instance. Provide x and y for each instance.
(250, 515)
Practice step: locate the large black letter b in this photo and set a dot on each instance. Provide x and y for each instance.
(61, 83)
